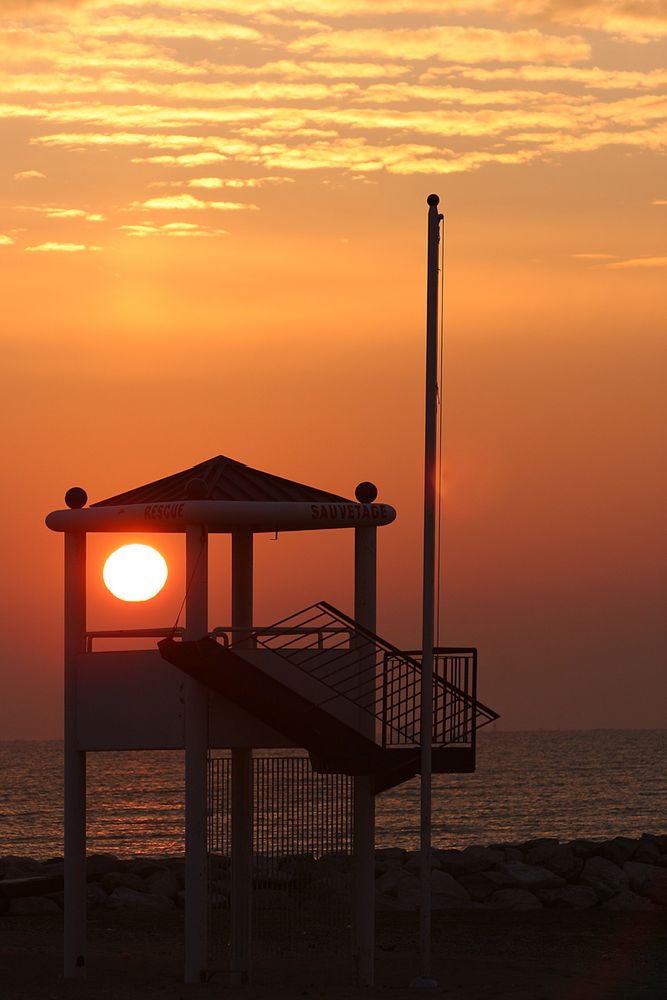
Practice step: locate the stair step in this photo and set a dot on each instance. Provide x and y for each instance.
(332, 744)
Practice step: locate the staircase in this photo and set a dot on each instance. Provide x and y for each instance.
(346, 695)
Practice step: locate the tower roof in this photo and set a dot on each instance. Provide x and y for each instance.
(224, 479)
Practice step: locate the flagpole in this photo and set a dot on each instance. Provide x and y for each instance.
(428, 594)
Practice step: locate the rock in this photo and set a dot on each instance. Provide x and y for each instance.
(628, 901)
(143, 867)
(648, 880)
(510, 851)
(123, 897)
(473, 857)
(56, 866)
(565, 863)
(33, 904)
(480, 885)
(443, 902)
(162, 883)
(14, 867)
(584, 848)
(651, 840)
(98, 864)
(570, 897)
(647, 853)
(531, 877)
(536, 852)
(125, 880)
(388, 882)
(409, 890)
(513, 854)
(453, 863)
(177, 863)
(391, 903)
(446, 891)
(604, 876)
(413, 861)
(471, 860)
(513, 899)
(30, 885)
(391, 855)
(95, 895)
(619, 850)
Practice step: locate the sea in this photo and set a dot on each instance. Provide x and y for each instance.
(566, 784)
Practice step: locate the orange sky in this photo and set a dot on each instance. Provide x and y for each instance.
(212, 240)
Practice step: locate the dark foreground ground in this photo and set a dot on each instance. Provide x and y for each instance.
(544, 955)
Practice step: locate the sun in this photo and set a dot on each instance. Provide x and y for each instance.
(135, 572)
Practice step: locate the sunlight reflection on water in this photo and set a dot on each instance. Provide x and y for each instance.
(597, 783)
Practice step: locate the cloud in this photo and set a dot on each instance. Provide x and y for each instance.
(659, 201)
(29, 175)
(639, 262)
(60, 248)
(55, 212)
(637, 20)
(188, 203)
(451, 43)
(591, 77)
(171, 229)
(5, 241)
(237, 182)
(276, 88)
(640, 20)
(594, 256)
(183, 160)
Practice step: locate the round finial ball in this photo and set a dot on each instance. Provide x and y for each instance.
(433, 199)
(197, 490)
(366, 492)
(76, 498)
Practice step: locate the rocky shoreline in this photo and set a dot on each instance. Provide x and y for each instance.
(621, 874)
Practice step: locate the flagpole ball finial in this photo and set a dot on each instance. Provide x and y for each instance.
(76, 498)
(366, 492)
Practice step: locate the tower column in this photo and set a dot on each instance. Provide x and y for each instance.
(196, 763)
(74, 761)
(363, 884)
(242, 808)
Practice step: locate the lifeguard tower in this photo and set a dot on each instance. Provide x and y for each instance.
(289, 729)
(320, 680)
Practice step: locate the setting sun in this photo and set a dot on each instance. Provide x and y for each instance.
(135, 572)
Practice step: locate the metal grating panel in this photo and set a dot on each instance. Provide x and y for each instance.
(302, 847)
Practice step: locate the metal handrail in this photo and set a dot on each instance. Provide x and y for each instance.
(251, 633)
(130, 633)
(378, 678)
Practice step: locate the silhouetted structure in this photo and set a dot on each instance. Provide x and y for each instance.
(320, 680)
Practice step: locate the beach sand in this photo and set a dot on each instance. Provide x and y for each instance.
(477, 955)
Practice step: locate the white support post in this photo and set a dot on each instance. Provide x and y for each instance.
(75, 762)
(242, 808)
(363, 892)
(196, 763)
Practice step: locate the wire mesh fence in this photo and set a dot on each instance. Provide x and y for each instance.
(302, 853)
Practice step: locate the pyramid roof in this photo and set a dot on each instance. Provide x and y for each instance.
(225, 479)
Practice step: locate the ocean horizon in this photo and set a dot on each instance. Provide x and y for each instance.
(566, 784)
